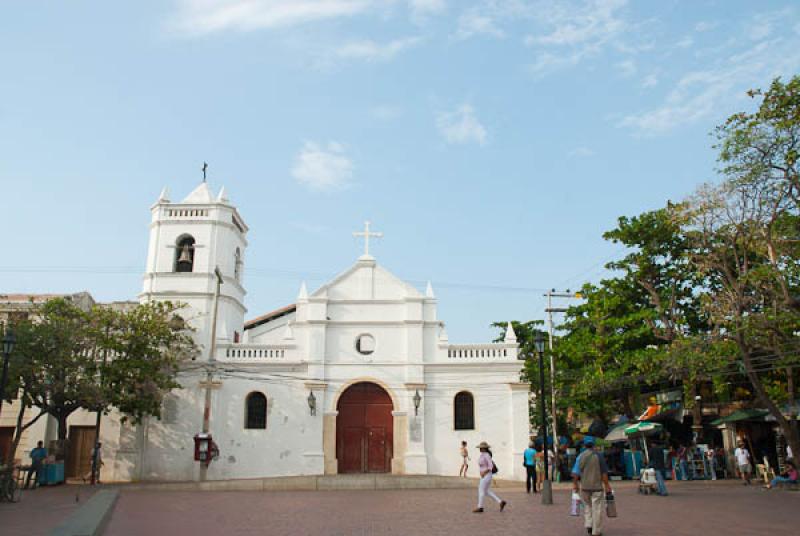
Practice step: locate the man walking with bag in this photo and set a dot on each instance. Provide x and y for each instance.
(590, 478)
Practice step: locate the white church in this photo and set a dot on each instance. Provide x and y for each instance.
(357, 376)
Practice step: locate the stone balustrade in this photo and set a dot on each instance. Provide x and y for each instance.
(256, 352)
(482, 352)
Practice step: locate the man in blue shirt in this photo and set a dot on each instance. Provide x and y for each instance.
(530, 467)
(37, 463)
(590, 478)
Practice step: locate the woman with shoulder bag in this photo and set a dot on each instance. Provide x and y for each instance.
(487, 468)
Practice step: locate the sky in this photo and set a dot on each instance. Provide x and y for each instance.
(492, 142)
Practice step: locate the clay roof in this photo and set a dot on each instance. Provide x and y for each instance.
(27, 298)
(277, 313)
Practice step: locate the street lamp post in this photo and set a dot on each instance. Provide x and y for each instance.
(9, 340)
(547, 487)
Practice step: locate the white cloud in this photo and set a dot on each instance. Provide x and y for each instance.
(763, 24)
(461, 126)
(593, 23)
(582, 152)
(651, 80)
(198, 17)
(423, 8)
(474, 22)
(372, 51)
(627, 67)
(571, 31)
(712, 92)
(686, 42)
(323, 168)
(705, 26)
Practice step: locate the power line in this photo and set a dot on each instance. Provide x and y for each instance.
(261, 272)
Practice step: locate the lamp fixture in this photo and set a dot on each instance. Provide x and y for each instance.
(312, 404)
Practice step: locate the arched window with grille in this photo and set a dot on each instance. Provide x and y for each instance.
(237, 265)
(256, 407)
(184, 254)
(464, 411)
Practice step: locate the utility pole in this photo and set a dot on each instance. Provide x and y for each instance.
(550, 310)
(208, 384)
(547, 486)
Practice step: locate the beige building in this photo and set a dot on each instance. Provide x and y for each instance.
(16, 307)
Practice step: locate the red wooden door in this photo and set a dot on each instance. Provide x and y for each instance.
(376, 450)
(351, 460)
(364, 429)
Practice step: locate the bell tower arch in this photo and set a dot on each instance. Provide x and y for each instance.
(188, 241)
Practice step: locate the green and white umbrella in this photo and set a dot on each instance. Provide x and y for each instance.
(643, 428)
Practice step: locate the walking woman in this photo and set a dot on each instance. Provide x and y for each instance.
(540, 468)
(486, 467)
(464, 460)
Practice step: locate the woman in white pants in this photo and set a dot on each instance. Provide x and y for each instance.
(485, 466)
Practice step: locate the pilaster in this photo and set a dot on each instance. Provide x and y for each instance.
(329, 442)
(416, 458)
(520, 419)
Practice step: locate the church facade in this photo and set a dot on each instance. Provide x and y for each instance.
(357, 376)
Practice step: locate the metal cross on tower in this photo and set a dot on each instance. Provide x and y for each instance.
(366, 234)
(205, 167)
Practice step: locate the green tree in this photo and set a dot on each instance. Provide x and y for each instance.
(659, 260)
(23, 330)
(100, 359)
(746, 233)
(604, 341)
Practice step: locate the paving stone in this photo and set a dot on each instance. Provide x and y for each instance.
(722, 507)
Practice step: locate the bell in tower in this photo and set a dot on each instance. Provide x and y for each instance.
(185, 254)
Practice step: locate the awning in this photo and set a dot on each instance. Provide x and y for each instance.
(643, 427)
(741, 415)
(617, 433)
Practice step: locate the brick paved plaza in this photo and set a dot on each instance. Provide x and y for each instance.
(693, 508)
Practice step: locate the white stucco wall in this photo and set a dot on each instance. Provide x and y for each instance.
(310, 348)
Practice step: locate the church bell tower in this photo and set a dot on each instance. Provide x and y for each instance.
(189, 240)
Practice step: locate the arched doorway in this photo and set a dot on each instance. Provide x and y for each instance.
(364, 429)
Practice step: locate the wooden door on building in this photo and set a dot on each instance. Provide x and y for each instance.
(6, 440)
(364, 430)
(81, 442)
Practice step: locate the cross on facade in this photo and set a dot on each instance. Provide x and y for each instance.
(366, 234)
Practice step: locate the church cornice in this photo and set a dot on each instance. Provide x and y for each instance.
(177, 295)
(214, 222)
(385, 323)
(493, 366)
(403, 301)
(227, 280)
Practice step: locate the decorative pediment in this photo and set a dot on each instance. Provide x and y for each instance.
(366, 280)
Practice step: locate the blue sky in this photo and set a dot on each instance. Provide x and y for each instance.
(491, 141)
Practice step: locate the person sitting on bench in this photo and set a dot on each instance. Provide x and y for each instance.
(789, 477)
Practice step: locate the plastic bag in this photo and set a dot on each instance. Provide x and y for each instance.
(611, 505)
(575, 505)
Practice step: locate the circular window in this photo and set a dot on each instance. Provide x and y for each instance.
(365, 344)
